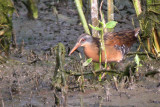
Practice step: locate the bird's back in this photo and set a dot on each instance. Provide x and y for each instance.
(126, 38)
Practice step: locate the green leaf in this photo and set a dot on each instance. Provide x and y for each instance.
(96, 66)
(137, 59)
(100, 77)
(96, 28)
(111, 24)
(100, 22)
(87, 62)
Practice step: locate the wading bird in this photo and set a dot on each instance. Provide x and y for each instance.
(117, 44)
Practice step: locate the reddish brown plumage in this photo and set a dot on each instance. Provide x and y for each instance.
(116, 45)
(127, 37)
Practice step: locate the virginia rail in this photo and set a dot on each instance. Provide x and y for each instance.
(117, 44)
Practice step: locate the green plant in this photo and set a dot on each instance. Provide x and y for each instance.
(110, 24)
(6, 11)
(137, 60)
(59, 78)
(149, 20)
(32, 8)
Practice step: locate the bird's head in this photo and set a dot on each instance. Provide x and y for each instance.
(83, 41)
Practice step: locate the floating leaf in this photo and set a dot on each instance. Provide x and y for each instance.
(111, 24)
(96, 28)
(87, 62)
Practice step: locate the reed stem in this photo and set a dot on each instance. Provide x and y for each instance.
(82, 17)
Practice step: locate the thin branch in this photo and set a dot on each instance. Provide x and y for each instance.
(94, 72)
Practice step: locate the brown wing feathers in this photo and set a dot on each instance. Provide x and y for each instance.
(126, 38)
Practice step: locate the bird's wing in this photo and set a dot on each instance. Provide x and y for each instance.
(126, 38)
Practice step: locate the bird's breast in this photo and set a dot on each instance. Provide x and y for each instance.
(92, 52)
(112, 54)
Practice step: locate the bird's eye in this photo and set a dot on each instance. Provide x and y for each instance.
(83, 40)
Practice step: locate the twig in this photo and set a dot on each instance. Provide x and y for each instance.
(115, 82)
(98, 71)
(152, 73)
(142, 53)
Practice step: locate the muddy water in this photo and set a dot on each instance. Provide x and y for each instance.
(26, 78)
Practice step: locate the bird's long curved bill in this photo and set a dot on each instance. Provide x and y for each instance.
(74, 48)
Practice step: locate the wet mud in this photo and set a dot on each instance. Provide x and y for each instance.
(26, 79)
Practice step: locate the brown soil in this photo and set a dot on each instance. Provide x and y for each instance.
(26, 78)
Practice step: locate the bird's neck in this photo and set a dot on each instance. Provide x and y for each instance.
(94, 44)
(92, 49)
